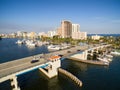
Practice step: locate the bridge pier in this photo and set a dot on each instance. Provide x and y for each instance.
(14, 83)
(52, 69)
(82, 56)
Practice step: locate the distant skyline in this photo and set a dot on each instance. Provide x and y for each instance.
(94, 16)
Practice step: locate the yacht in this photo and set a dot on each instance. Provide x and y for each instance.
(53, 47)
(104, 59)
(115, 53)
(19, 42)
(30, 43)
(109, 56)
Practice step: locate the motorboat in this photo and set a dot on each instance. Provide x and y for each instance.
(19, 42)
(115, 53)
(30, 43)
(109, 56)
(53, 47)
(104, 59)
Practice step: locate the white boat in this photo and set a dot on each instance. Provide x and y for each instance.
(53, 47)
(109, 56)
(115, 53)
(19, 42)
(39, 43)
(109, 59)
(103, 59)
(30, 43)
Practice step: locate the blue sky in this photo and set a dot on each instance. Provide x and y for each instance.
(94, 16)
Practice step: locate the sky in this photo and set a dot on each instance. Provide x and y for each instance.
(94, 16)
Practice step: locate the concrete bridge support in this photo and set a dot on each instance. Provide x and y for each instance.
(14, 83)
(82, 56)
(52, 68)
(85, 54)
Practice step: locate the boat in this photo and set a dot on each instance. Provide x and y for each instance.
(53, 47)
(31, 43)
(19, 42)
(104, 59)
(109, 56)
(109, 59)
(115, 53)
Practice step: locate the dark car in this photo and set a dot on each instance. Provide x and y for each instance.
(78, 50)
(60, 55)
(34, 61)
(68, 51)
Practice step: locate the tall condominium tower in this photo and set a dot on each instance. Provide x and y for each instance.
(75, 28)
(76, 34)
(66, 29)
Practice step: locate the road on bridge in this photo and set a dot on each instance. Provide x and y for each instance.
(25, 63)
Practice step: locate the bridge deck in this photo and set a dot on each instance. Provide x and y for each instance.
(25, 63)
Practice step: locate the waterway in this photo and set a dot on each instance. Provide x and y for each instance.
(9, 50)
(93, 77)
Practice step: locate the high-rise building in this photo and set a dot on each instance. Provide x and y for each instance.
(76, 34)
(59, 31)
(75, 27)
(52, 33)
(66, 29)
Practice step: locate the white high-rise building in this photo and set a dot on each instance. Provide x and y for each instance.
(75, 27)
(76, 34)
(52, 33)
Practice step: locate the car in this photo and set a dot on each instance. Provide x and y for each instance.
(68, 51)
(60, 55)
(78, 50)
(34, 61)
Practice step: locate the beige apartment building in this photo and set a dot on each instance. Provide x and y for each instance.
(76, 34)
(66, 29)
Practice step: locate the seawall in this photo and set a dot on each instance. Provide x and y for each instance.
(89, 61)
(71, 76)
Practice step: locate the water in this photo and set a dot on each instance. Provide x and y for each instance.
(9, 50)
(93, 77)
(96, 77)
(114, 35)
